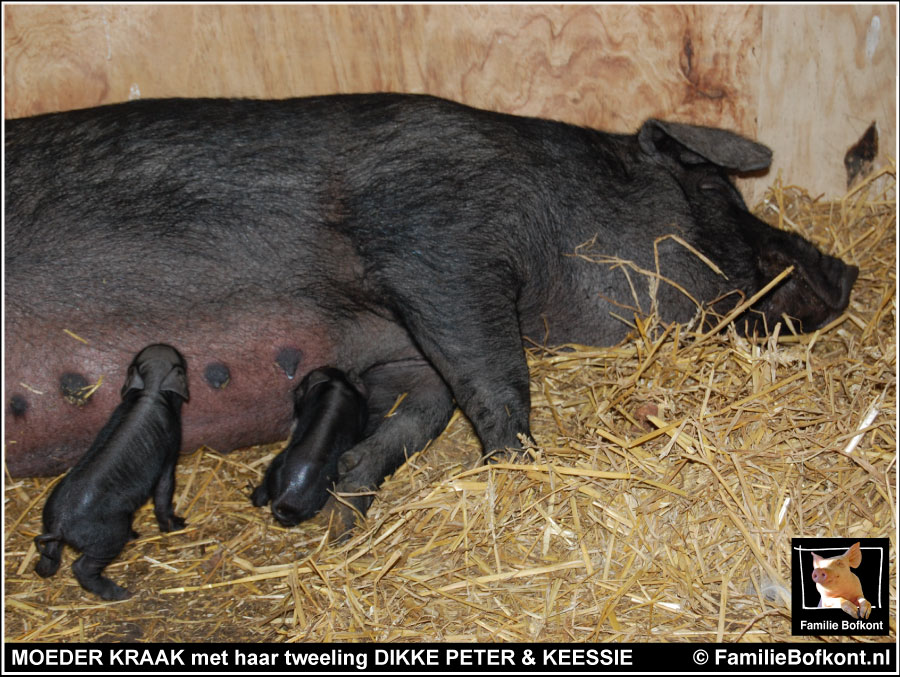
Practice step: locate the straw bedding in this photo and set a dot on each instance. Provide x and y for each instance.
(667, 478)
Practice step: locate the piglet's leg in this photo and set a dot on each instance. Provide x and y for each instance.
(864, 607)
(849, 607)
(162, 500)
(260, 495)
(87, 570)
(50, 549)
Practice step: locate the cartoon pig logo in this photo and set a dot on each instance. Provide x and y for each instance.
(839, 586)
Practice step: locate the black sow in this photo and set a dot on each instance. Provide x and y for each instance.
(133, 456)
(329, 418)
(409, 241)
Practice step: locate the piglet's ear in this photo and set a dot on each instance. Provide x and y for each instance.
(853, 555)
(311, 381)
(176, 382)
(133, 380)
(692, 144)
(816, 559)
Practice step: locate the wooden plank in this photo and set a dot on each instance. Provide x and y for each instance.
(806, 80)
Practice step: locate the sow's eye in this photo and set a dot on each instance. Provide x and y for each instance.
(716, 184)
(710, 183)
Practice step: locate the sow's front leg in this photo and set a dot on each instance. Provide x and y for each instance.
(390, 439)
(468, 328)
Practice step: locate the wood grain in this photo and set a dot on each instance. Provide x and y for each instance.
(821, 89)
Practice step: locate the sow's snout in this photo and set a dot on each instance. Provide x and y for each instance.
(816, 291)
(749, 251)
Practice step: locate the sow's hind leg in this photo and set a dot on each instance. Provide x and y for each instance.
(420, 417)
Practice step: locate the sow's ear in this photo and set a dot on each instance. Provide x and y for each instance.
(690, 144)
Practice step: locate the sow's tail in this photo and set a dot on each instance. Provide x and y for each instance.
(50, 548)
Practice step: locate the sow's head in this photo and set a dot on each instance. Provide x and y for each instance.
(750, 252)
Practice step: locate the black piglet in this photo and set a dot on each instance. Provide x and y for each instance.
(132, 458)
(329, 418)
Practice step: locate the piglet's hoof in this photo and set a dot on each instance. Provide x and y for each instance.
(260, 496)
(115, 593)
(171, 523)
(865, 608)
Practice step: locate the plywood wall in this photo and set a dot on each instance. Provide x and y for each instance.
(827, 74)
(806, 80)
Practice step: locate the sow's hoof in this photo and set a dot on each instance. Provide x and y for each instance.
(506, 456)
(343, 516)
(512, 455)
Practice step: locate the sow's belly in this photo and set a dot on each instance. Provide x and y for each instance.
(240, 373)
